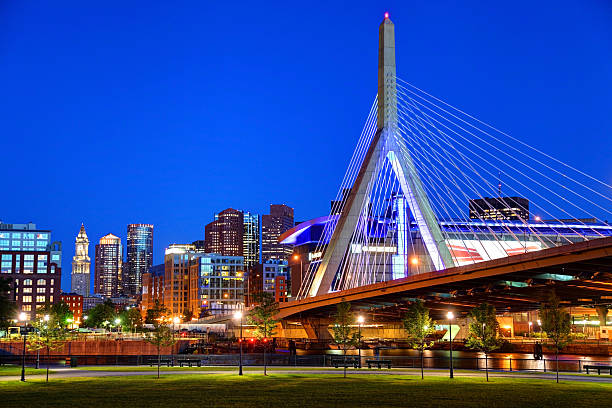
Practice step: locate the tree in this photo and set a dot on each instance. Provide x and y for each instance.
(262, 317)
(418, 325)
(187, 316)
(104, 312)
(155, 313)
(556, 323)
(483, 331)
(343, 330)
(60, 312)
(8, 308)
(162, 336)
(49, 333)
(131, 319)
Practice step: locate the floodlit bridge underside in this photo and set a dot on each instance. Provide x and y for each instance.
(580, 273)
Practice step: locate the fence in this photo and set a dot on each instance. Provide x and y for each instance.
(256, 359)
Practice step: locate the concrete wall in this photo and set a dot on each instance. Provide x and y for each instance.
(98, 347)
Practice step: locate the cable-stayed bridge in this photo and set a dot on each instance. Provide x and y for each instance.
(438, 205)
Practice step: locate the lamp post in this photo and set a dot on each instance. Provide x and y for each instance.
(450, 316)
(23, 317)
(238, 315)
(296, 258)
(360, 320)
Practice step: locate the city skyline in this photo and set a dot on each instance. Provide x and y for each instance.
(483, 86)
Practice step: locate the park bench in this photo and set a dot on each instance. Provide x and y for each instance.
(189, 361)
(379, 363)
(599, 368)
(344, 362)
(167, 361)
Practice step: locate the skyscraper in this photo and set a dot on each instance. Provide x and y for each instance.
(139, 256)
(273, 225)
(224, 235)
(250, 240)
(81, 264)
(108, 266)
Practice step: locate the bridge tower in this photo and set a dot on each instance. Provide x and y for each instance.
(385, 145)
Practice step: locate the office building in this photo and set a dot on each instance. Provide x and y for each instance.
(273, 225)
(32, 263)
(139, 257)
(271, 276)
(224, 235)
(152, 287)
(195, 281)
(75, 304)
(89, 302)
(221, 280)
(108, 266)
(250, 239)
(499, 208)
(81, 264)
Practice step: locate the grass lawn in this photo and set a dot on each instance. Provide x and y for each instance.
(16, 370)
(286, 391)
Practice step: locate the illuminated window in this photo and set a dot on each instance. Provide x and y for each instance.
(40, 299)
(26, 299)
(27, 282)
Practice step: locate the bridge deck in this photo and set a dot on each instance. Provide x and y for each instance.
(581, 274)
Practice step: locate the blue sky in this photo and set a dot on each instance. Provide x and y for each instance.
(167, 112)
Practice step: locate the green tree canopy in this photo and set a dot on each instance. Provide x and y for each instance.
(49, 333)
(155, 313)
(343, 330)
(98, 315)
(131, 319)
(59, 312)
(162, 336)
(556, 323)
(418, 325)
(483, 331)
(262, 317)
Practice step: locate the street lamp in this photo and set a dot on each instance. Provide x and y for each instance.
(23, 317)
(297, 258)
(238, 315)
(360, 321)
(117, 322)
(450, 316)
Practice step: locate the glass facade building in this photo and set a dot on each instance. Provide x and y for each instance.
(32, 263)
(139, 248)
(221, 280)
(250, 240)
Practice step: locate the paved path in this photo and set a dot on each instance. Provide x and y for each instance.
(76, 373)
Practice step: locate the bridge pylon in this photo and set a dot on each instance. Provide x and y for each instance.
(385, 146)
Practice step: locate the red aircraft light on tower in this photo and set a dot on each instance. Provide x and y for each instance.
(387, 14)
